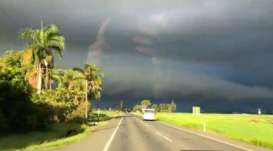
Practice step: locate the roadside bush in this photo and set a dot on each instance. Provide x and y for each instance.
(78, 114)
(61, 105)
(17, 109)
(3, 124)
(22, 109)
(95, 117)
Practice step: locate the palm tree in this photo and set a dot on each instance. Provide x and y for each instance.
(58, 76)
(93, 82)
(42, 44)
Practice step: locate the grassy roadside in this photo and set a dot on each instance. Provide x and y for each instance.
(139, 114)
(253, 129)
(40, 140)
(112, 114)
(54, 136)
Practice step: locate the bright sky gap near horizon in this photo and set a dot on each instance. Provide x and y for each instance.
(181, 49)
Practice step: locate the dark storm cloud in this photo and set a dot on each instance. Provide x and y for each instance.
(96, 48)
(209, 48)
(143, 76)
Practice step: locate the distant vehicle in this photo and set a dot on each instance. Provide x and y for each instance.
(149, 114)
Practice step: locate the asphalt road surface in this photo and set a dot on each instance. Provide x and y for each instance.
(130, 133)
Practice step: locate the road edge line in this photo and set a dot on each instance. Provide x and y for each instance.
(107, 145)
(208, 137)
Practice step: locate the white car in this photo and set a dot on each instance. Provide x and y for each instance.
(148, 114)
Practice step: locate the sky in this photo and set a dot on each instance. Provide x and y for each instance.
(172, 49)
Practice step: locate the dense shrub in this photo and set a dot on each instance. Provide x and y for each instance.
(61, 105)
(95, 117)
(3, 122)
(19, 113)
(22, 109)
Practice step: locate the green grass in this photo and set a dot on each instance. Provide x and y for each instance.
(102, 115)
(40, 140)
(53, 137)
(253, 129)
(112, 113)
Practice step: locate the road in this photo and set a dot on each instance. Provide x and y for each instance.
(130, 133)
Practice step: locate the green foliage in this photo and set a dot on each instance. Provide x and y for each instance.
(40, 52)
(3, 121)
(22, 72)
(44, 41)
(103, 115)
(16, 108)
(10, 59)
(67, 102)
(168, 107)
(171, 107)
(55, 104)
(165, 107)
(138, 108)
(145, 103)
(95, 117)
(93, 75)
(156, 107)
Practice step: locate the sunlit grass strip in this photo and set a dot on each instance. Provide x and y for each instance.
(253, 129)
(112, 114)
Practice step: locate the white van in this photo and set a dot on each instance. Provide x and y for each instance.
(148, 114)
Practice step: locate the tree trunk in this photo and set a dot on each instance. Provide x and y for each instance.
(86, 97)
(50, 84)
(46, 79)
(46, 75)
(39, 78)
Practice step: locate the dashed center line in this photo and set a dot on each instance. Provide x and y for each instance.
(106, 147)
(157, 132)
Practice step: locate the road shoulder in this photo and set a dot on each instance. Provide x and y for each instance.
(95, 141)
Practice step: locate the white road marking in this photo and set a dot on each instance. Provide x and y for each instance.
(106, 147)
(165, 137)
(209, 137)
(157, 132)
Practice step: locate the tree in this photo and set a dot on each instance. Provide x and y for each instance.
(156, 107)
(11, 59)
(40, 52)
(93, 76)
(145, 103)
(93, 82)
(74, 82)
(137, 107)
(17, 111)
